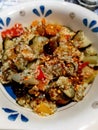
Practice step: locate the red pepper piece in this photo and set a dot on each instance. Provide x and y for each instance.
(82, 65)
(15, 31)
(40, 76)
(67, 37)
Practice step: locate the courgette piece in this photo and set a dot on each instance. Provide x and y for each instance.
(80, 40)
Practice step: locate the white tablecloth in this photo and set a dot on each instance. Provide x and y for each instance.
(7, 3)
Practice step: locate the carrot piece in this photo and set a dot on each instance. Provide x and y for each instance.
(43, 21)
(52, 29)
(34, 23)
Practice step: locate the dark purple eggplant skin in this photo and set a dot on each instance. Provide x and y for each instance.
(18, 89)
(50, 47)
(60, 99)
(95, 67)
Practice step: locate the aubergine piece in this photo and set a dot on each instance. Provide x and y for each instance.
(47, 49)
(54, 42)
(50, 47)
(90, 51)
(19, 89)
(91, 59)
(71, 68)
(66, 86)
(37, 44)
(31, 38)
(95, 67)
(35, 92)
(89, 74)
(82, 49)
(80, 40)
(28, 74)
(56, 95)
(7, 43)
(54, 79)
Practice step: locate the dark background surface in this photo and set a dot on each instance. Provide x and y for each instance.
(76, 2)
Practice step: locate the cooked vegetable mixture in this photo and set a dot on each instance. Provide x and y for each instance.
(48, 65)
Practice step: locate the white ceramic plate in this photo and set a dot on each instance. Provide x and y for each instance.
(79, 116)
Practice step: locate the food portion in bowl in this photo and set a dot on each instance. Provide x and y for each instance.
(48, 65)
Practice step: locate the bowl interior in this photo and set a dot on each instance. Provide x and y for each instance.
(71, 15)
